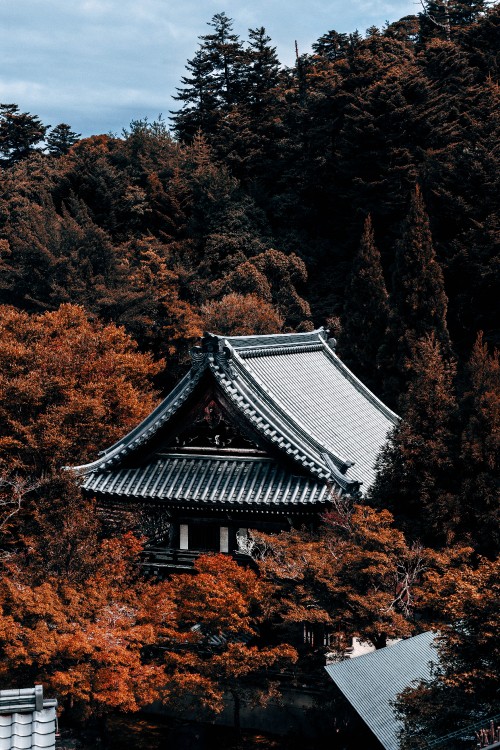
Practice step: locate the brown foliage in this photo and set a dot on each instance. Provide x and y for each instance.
(83, 637)
(217, 616)
(464, 686)
(480, 450)
(417, 477)
(68, 387)
(357, 574)
(241, 315)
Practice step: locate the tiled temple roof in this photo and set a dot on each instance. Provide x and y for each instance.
(316, 392)
(211, 480)
(295, 392)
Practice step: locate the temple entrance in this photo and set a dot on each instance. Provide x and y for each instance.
(205, 537)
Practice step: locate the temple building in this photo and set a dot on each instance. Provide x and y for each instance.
(260, 434)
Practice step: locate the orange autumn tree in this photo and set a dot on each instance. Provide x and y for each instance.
(464, 688)
(214, 649)
(83, 639)
(241, 315)
(73, 612)
(356, 575)
(69, 386)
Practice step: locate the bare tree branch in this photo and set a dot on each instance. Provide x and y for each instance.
(408, 573)
(13, 490)
(444, 26)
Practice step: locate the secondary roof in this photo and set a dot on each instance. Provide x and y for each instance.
(372, 682)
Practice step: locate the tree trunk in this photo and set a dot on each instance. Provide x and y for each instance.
(102, 731)
(379, 640)
(236, 714)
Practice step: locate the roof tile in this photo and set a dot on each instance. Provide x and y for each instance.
(211, 479)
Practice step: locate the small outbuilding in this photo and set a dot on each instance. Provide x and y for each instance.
(371, 683)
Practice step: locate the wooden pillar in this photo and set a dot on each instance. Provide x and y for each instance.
(233, 544)
(224, 538)
(183, 536)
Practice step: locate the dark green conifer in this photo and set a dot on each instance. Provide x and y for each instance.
(435, 21)
(20, 132)
(366, 311)
(60, 139)
(417, 473)
(263, 67)
(418, 293)
(418, 302)
(480, 452)
(199, 109)
(225, 54)
(445, 19)
(215, 83)
(332, 45)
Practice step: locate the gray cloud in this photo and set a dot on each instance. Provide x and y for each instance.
(98, 64)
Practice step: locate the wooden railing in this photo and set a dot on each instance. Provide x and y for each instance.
(159, 561)
(489, 735)
(488, 738)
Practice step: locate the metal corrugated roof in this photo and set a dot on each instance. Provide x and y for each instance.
(371, 683)
(211, 480)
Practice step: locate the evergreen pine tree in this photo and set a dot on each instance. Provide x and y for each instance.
(366, 310)
(466, 12)
(199, 111)
(20, 132)
(435, 21)
(417, 470)
(418, 286)
(60, 139)
(214, 83)
(247, 134)
(263, 67)
(225, 53)
(480, 454)
(444, 19)
(419, 301)
(332, 45)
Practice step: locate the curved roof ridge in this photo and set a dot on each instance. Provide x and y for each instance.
(268, 351)
(255, 373)
(271, 341)
(292, 422)
(149, 426)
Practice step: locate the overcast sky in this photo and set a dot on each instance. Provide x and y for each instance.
(98, 64)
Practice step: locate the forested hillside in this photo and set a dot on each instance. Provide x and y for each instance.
(358, 189)
(266, 186)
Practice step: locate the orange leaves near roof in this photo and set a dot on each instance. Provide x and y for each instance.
(69, 386)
